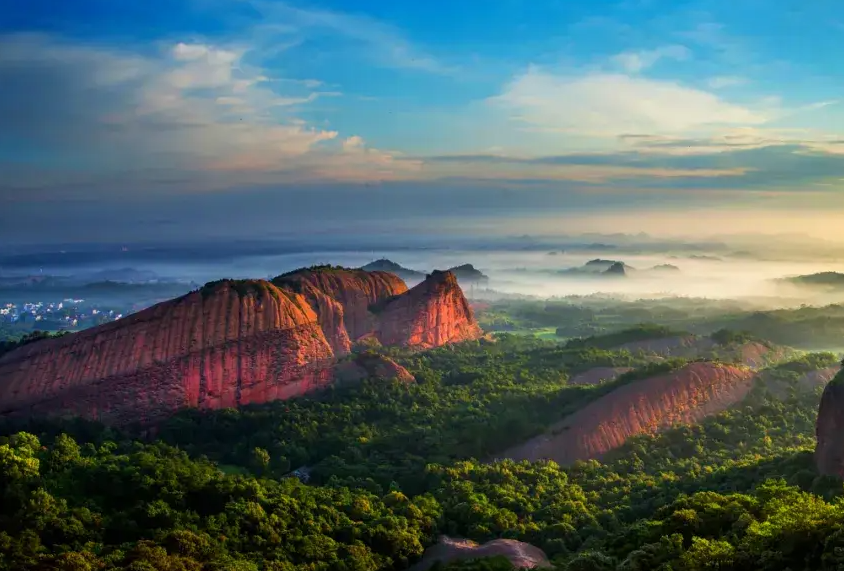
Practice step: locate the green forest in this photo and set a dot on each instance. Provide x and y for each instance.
(390, 466)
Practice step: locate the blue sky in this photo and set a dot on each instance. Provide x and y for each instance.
(521, 109)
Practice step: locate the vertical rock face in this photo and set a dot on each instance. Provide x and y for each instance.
(433, 313)
(228, 344)
(684, 396)
(355, 290)
(829, 451)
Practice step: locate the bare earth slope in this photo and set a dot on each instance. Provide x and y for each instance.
(228, 344)
(448, 550)
(686, 395)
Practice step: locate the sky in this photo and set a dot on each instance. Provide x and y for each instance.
(167, 119)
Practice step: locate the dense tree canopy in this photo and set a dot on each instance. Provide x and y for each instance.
(391, 466)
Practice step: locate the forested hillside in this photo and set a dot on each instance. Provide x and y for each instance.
(393, 465)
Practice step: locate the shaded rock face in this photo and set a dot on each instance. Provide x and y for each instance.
(448, 550)
(365, 366)
(829, 450)
(355, 290)
(684, 396)
(819, 378)
(431, 314)
(228, 344)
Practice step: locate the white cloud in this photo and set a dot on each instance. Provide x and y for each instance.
(635, 62)
(353, 143)
(188, 52)
(614, 104)
(195, 107)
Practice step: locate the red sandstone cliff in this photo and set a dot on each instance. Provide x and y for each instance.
(230, 343)
(433, 313)
(829, 451)
(685, 396)
(356, 291)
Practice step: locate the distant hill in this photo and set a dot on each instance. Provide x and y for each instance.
(617, 269)
(822, 279)
(123, 275)
(600, 267)
(667, 268)
(385, 265)
(468, 274)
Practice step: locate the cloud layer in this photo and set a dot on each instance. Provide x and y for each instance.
(241, 109)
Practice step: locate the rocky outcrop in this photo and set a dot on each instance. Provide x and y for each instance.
(684, 396)
(829, 450)
(449, 550)
(231, 343)
(228, 344)
(431, 314)
(367, 366)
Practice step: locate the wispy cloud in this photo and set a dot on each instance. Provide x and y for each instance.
(383, 43)
(637, 61)
(94, 114)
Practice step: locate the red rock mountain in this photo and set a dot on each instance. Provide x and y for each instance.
(684, 396)
(229, 343)
(433, 313)
(829, 451)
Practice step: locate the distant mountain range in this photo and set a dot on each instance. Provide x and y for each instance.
(466, 274)
(614, 268)
(833, 280)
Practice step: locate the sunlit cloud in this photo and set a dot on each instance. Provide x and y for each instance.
(189, 108)
(610, 105)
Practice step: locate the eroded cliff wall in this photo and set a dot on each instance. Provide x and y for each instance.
(684, 396)
(230, 343)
